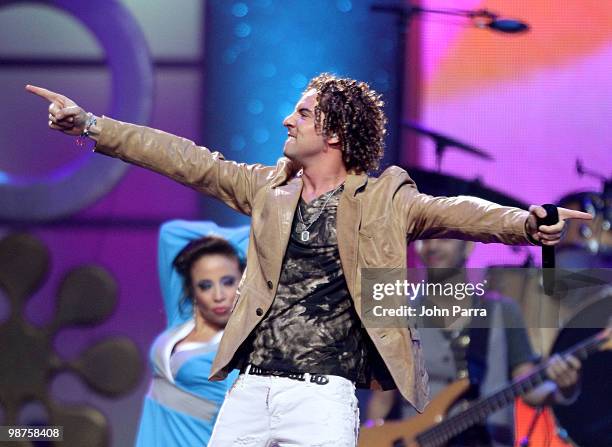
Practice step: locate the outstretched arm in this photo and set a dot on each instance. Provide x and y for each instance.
(471, 218)
(235, 184)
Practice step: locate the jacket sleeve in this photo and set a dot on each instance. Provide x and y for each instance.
(182, 160)
(173, 236)
(462, 217)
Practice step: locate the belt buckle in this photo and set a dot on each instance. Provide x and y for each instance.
(319, 379)
(296, 376)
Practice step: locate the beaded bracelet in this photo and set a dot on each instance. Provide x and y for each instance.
(91, 121)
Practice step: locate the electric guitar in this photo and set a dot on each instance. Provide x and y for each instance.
(433, 428)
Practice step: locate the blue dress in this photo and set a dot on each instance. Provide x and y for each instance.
(181, 406)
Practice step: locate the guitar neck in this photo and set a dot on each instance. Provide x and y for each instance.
(478, 411)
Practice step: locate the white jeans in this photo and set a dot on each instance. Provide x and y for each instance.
(263, 411)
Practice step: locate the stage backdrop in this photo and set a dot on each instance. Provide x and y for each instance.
(43, 45)
(228, 85)
(535, 101)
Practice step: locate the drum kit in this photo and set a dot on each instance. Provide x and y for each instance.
(585, 246)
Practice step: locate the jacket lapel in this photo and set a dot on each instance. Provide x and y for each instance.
(286, 198)
(348, 221)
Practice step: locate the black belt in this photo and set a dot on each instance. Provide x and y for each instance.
(319, 379)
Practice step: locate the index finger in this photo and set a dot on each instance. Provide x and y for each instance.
(44, 93)
(565, 213)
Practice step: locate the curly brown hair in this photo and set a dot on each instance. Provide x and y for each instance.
(354, 112)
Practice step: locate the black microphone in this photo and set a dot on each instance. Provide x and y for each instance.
(548, 252)
(508, 26)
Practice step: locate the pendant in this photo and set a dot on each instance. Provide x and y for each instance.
(305, 235)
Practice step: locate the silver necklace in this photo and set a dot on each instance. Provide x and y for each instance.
(305, 234)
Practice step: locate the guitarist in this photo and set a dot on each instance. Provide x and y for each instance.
(490, 357)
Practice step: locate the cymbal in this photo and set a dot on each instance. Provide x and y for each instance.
(437, 184)
(444, 141)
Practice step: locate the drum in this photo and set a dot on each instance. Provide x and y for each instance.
(587, 244)
(588, 421)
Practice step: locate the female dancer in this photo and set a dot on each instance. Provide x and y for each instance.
(199, 277)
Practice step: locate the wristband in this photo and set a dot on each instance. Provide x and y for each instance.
(91, 121)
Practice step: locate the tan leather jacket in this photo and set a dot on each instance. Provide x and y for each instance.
(376, 218)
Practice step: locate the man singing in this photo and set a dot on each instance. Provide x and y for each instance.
(317, 219)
